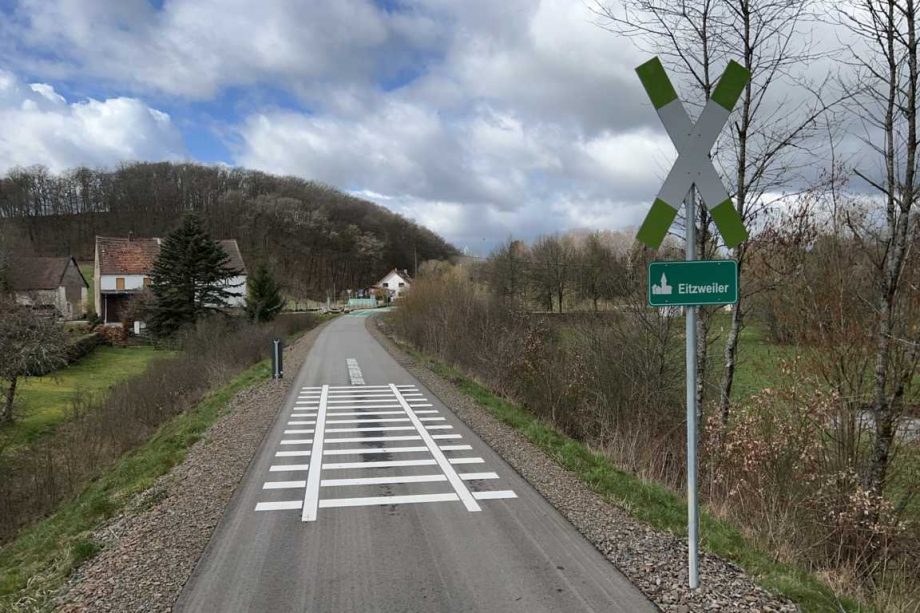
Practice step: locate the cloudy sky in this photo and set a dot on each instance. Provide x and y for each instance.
(478, 118)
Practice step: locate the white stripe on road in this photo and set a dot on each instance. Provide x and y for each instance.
(302, 423)
(466, 460)
(372, 450)
(459, 487)
(426, 412)
(311, 496)
(367, 421)
(442, 436)
(354, 372)
(373, 439)
(286, 468)
(383, 500)
(494, 495)
(283, 485)
(310, 431)
(332, 403)
(291, 454)
(455, 447)
(279, 506)
(297, 441)
(384, 480)
(415, 404)
(380, 464)
(391, 405)
(439, 427)
(380, 429)
(477, 476)
(365, 413)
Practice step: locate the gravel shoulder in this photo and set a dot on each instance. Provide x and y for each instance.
(655, 562)
(152, 547)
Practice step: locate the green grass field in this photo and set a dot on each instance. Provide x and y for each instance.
(46, 400)
(42, 557)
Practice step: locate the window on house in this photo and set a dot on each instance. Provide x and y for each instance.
(146, 281)
(402, 285)
(385, 284)
(119, 283)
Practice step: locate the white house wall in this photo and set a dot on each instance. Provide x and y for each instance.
(132, 282)
(238, 298)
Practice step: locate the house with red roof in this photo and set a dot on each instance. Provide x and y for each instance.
(123, 266)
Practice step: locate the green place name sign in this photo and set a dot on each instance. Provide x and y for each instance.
(692, 283)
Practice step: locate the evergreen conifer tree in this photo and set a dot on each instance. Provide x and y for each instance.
(190, 278)
(263, 296)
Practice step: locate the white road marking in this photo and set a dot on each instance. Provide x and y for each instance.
(291, 454)
(297, 441)
(367, 421)
(380, 464)
(415, 404)
(353, 407)
(494, 495)
(466, 461)
(385, 500)
(302, 423)
(311, 496)
(372, 450)
(477, 476)
(359, 414)
(459, 487)
(456, 447)
(373, 439)
(380, 429)
(332, 403)
(426, 412)
(354, 372)
(286, 468)
(283, 485)
(432, 418)
(439, 427)
(310, 431)
(384, 480)
(370, 394)
(279, 506)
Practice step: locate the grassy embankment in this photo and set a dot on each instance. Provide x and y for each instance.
(47, 400)
(652, 503)
(43, 556)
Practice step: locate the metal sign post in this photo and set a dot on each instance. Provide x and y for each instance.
(277, 359)
(706, 285)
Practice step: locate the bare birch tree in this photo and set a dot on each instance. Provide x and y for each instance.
(885, 101)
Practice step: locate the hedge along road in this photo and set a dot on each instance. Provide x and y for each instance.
(368, 494)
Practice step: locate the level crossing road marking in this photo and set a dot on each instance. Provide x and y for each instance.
(371, 408)
(311, 496)
(354, 372)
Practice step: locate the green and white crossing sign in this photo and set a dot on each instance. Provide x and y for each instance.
(692, 283)
(693, 165)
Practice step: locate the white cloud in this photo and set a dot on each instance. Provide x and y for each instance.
(41, 127)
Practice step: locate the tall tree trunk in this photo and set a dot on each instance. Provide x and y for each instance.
(728, 371)
(9, 397)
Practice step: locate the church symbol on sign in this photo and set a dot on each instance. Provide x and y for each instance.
(664, 289)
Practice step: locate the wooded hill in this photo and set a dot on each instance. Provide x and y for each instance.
(312, 235)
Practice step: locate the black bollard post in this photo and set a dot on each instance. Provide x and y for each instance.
(277, 359)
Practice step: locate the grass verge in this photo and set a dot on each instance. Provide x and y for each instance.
(652, 503)
(47, 399)
(38, 562)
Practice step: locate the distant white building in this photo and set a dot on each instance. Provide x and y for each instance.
(395, 283)
(123, 266)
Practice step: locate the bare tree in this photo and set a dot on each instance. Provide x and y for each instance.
(32, 345)
(507, 269)
(551, 268)
(762, 150)
(886, 91)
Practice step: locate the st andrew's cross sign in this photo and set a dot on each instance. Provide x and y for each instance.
(693, 142)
